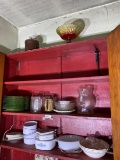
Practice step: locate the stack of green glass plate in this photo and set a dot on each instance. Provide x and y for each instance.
(15, 103)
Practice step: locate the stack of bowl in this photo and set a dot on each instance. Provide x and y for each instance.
(29, 132)
(45, 139)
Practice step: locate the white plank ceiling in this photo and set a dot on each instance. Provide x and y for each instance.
(21, 13)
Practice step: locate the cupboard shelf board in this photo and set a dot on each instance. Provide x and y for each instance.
(61, 80)
(20, 146)
(72, 115)
(82, 47)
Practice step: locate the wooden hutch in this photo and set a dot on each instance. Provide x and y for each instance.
(61, 70)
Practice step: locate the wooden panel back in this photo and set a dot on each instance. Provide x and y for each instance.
(11, 69)
(81, 65)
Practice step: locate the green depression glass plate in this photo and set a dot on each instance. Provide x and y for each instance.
(13, 110)
(13, 97)
(13, 100)
(13, 106)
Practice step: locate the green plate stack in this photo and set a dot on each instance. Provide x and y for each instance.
(15, 103)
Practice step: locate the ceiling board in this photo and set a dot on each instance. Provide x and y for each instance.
(26, 12)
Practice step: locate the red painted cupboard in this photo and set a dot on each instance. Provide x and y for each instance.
(61, 70)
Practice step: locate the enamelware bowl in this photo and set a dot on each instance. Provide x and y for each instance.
(93, 147)
(45, 145)
(68, 142)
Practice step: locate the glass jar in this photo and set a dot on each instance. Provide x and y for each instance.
(86, 100)
(49, 104)
(36, 104)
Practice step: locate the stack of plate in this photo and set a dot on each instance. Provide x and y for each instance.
(13, 136)
(15, 103)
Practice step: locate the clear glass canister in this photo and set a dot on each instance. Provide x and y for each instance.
(36, 104)
(86, 100)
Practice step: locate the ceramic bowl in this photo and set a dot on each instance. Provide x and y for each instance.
(30, 125)
(64, 102)
(33, 135)
(28, 131)
(64, 105)
(46, 137)
(45, 145)
(93, 147)
(29, 141)
(93, 153)
(68, 142)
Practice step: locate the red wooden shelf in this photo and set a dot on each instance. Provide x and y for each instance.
(56, 81)
(66, 124)
(53, 115)
(59, 51)
(20, 146)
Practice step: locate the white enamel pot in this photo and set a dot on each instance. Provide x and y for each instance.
(68, 142)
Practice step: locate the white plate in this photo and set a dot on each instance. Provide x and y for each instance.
(58, 111)
(12, 139)
(45, 131)
(46, 137)
(13, 135)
